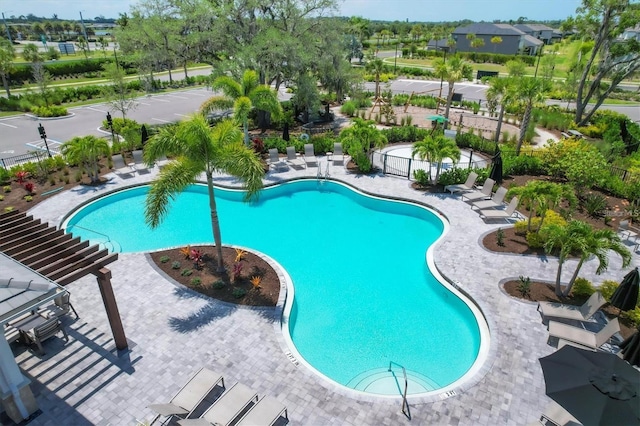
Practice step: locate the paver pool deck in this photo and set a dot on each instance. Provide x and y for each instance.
(173, 332)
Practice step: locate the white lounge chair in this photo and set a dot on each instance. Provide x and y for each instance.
(556, 415)
(309, 155)
(119, 166)
(495, 201)
(138, 162)
(275, 161)
(338, 155)
(226, 408)
(584, 337)
(292, 157)
(463, 187)
(484, 193)
(507, 213)
(61, 306)
(265, 413)
(162, 161)
(189, 396)
(579, 313)
(624, 229)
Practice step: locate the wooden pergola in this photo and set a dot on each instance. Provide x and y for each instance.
(61, 258)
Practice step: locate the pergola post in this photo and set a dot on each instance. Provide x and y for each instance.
(15, 393)
(108, 298)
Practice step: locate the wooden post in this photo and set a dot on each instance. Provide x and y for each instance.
(108, 298)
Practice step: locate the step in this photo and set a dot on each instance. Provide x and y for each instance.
(384, 382)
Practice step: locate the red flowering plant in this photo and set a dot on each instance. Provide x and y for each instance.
(258, 145)
(236, 271)
(197, 258)
(30, 187)
(21, 176)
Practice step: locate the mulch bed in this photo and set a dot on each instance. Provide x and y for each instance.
(211, 283)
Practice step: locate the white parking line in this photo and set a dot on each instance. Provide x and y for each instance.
(481, 90)
(9, 125)
(161, 100)
(180, 115)
(96, 109)
(162, 121)
(177, 97)
(142, 103)
(194, 94)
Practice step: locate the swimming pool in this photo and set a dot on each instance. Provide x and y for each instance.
(364, 298)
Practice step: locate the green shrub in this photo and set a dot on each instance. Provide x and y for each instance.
(196, 281)
(582, 287)
(362, 161)
(500, 237)
(165, 259)
(421, 177)
(522, 165)
(218, 284)
(453, 176)
(535, 240)
(349, 108)
(186, 272)
(524, 286)
(238, 292)
(607, 288)
(6, 188)
(594, 203)
(175, 265)
(632, 315)
(406, 133)
(50, 111)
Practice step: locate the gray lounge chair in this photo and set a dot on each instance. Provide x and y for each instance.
(265, 413)
(495, 201)
(338, 155)
(584, 337)
(120, 168)
(61, 306)
(463, 187)
(484, 193)
(572, 312)
(292, 157)
(162, 161)
(507, 213)
(309, 155)
(189, 396)
(275, 161)
(138, 162)
(230, 405)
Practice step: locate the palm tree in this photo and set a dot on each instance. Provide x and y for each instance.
(452, 71)
(243, 95)
(499, 91)
(541, 196)
(529, 91)
(435, 149)
(580, 239)
(376, 67)
(7, 55)
(200, 149)
(86, 153)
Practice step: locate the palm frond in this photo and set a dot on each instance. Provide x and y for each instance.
(216, 103)
(228, 86)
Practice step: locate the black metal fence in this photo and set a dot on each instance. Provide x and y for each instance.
(404, 167)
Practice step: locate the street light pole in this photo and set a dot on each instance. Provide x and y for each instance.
(84, 31)
(43, 135)
(395, 59)
(7, 28)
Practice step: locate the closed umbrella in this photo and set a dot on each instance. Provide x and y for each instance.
(631, 348)
(144, 135)
(597, 388)
(626, 295)
(285, 132)
(496, 168)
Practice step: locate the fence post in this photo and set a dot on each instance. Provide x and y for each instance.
(624, 176)
(409, 170)
(384, 163)
(470, 158)
(4, 166)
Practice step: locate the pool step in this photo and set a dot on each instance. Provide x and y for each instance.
(384, 382)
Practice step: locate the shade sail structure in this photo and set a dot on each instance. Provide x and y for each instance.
(626, 295)
(597, 388)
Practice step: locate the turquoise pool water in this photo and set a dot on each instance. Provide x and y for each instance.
(364, 296)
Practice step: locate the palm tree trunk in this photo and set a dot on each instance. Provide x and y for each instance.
(499, 128)
(567, 290)
(245, 127)
(523, 127)
(532, 214)
(449, 98)
(542, 216)
(5, 83)
(215, 222)
(558, 277)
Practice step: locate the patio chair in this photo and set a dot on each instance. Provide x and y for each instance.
(265, 413)
(275, 161)
(138, 163)
(189, 396)
(484, 193)
(584, 337)
(48, 329)
(579, 313)
(495, 201)
(162, 161)
(625, 231)
(120, 168)
(463, 187)
(61, 306)
(225, 409)
(507, 213)
(555, 415)
(292, 157)
(337, 152)
(309, 155)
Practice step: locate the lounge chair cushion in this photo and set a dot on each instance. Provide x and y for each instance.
(582, 336)
(580, 313)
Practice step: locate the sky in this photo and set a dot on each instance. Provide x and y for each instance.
(389, 10)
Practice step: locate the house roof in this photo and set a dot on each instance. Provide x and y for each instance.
(483, 28)
(532, 27)
(440, 43)
(531, 41)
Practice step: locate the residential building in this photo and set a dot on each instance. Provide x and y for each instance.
(539, 31)
(513, 41)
